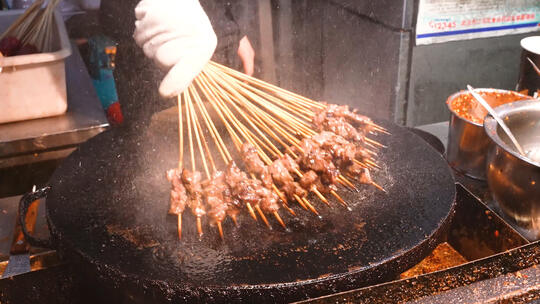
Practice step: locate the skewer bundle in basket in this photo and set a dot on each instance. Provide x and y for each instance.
(32, 32)
(288, 146)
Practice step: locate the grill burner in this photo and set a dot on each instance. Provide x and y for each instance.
(473, 225)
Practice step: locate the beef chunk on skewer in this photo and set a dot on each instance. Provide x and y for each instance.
(192, 182)
(255, 165)
(279, 170)
(319, 160)
(311, 180)
(215, 196)
(178, 198)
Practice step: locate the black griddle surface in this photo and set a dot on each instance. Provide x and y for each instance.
(109, 203)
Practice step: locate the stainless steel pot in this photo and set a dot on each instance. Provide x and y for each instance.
(528, 77)
(513, 178)
(467, 141)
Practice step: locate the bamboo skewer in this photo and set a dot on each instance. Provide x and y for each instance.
(192, 153)
(242, 130)
(237, 144)
(180, 154)
(207, 150)
(219, 144)
(342, 179)
(268, 162)
(236, 141)
(285, 95)
(315, 190)
(275, 121)
(35, 25)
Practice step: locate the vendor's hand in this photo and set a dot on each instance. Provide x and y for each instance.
(247, 55)
(178, 36)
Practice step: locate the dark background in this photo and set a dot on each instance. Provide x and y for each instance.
(360, 53)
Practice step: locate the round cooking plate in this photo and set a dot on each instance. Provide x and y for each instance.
(109, 203)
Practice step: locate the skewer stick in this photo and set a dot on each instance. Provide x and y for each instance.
(375, 143)
(217, 108)
(250, 209)
(179, 226)
(199, 227)
(348, 184)
(220, 229)
(283, 199)
(261, 214)
(363, 165)
(199, 129)
(197, 136)
(292, 104)
(201, 135)
(192, 153)
(236, 140)
(214, 133)
(378, 186)
(278, 152)
(372, 163)
(233, 216)
(380, 129)
(190, 136)
(308, 204)
(180, 156)
(284, 103)
(278, 218)
(242, 129)
(286, 206)
(241, 100)
(256, 81)
(211, 96)
(276, 111)
(343, 202)
(321, 197)
(301, 202)
(180, 133)
(267, 117)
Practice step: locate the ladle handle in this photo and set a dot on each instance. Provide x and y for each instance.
(25, 202)
(501, 123)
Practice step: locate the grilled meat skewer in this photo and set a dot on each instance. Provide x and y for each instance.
(255, 165)
(280, 170)
(178, 192)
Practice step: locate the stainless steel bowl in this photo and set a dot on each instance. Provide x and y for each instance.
(513, 178)
(467, 141)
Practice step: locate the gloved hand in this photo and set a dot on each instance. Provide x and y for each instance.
(178, 36)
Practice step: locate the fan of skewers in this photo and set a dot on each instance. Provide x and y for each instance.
(286, 147)
(31, 32)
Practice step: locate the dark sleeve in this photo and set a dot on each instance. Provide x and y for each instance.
(223, 21)
(237, 10)
(223, 16)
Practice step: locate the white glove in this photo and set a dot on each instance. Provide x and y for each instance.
(178, 36)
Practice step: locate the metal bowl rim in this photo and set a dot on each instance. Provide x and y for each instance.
(487, 90)
(490, 125)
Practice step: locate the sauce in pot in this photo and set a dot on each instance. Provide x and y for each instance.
(466, 107)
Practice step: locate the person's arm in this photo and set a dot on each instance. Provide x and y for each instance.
(247, 55)
(178, 36)
(229, 20)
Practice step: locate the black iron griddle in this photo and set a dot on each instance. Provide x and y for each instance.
(108, 205)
